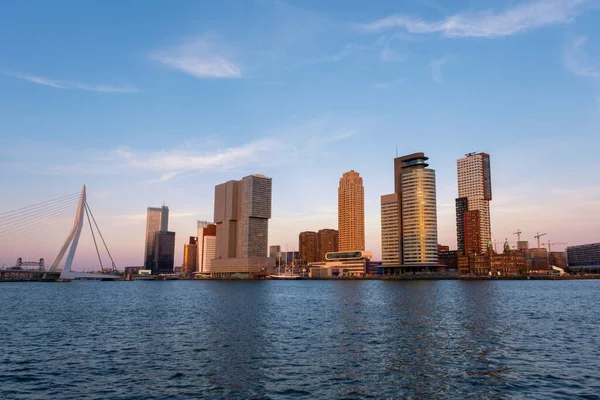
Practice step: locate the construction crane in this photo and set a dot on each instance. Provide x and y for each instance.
(550, 244)
(518, 233)
(538, 236)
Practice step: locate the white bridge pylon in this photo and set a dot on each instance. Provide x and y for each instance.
(72, 241)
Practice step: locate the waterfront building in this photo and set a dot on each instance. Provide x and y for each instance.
(327, 242)
(308, 245)
(448, 258)
(190, 256)
(242, 212)
(473, 203)
(508, 263)
(416, 189)
(584, 255)
(538, 259)
(206, 245)
(351, 212)
(390, 229)
(558, 259)
(164, 253)
(341, 264)
(157, 220)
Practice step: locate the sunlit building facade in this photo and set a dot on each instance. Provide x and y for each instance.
(474, 190)
(390, 229)
(351, 212)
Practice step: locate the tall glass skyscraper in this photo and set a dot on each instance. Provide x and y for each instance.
(409, 216)
(157, 220)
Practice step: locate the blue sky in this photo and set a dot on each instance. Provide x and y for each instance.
(161, 101)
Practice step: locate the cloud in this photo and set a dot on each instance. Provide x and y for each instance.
(174, 162)
(59, 84)
(577, 61)
(490, 23)
(389, 55)
(436, 69)
(203, 57)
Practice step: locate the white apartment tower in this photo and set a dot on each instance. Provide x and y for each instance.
(474, 185)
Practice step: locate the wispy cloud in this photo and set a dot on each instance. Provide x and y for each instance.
(203, 57)
(577, 61)
(490, 23)
(436, 69)
(61, 84)
(389, 55)
(174, 162)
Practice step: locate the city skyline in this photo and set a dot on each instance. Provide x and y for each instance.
(116, 107)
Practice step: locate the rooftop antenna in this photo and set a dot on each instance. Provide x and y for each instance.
(396, 151)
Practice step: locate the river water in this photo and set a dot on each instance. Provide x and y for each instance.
(300, 339)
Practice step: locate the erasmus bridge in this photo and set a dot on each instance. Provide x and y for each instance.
(47, 231)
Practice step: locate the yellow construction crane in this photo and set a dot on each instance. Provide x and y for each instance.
(550, 244)
(538, 236)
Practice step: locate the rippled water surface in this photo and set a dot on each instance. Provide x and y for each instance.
(300, 339)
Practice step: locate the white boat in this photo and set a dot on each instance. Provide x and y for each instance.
(286, 275)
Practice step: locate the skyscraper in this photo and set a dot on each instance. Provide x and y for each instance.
(308, 246)
(242, 212)
(327, 242)
(390, 229)
(417, 213)
(207, 244)
(474, 191)
(190, 256)
(157, 220)
(164, 253)
(351, 212)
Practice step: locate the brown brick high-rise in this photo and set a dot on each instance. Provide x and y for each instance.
(327, 243)
(308, 246)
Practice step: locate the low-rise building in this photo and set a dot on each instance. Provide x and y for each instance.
(341, 264)
(584, 255)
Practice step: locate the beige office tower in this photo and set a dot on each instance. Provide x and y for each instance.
(351, 212)
(415, 186)
(474, 185)
(390, 229)
(242, 212)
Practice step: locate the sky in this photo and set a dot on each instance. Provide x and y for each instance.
(157, 102)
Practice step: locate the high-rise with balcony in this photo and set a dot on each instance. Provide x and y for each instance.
(390, 229)
(417, 213)
(157, 220)
(473, 203)
(351, 212)
(242, 212)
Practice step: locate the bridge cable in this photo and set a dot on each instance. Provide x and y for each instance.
(39, 205)
(114, 267)
(94, 237)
